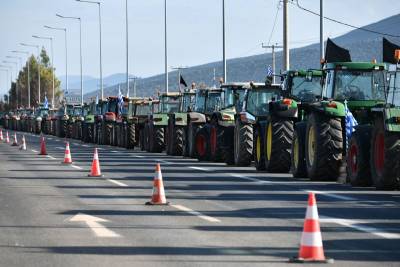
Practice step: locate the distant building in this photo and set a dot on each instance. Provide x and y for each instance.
(73, 96)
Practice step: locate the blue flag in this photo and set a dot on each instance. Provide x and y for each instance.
(46, 102)
(269, 71)
(351, 123)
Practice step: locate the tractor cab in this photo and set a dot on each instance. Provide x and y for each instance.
(170, 103)
(303, 86)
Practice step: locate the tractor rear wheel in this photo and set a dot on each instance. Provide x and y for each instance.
(202, 145)
(298, 159)
(358, 158)
(156, 135)
(243, 146)
(108, 134)
(216, 141)
(131, 134)
(385, 157)
(190, 138)
(324, 147)
(278, 145)
(259, 148)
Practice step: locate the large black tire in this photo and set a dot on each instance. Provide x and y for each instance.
(259, 148)
(385, 157)
(157, 142)
(64, 128)
(243, 146)
(175, 140)
(324, 147)
(108, 134)
(216, 143)
(190, 139)
(202, 144)
(298, 156)
(146, 137)
(358, 157)
(278, 145)
(131, 134)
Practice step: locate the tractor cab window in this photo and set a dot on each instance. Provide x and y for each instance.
(394, 89)
(42, 112)
(170, 104)
(125, 108)
(214, 102)
(233, 97)
(77, 111)
(359, 85)
(306, 88)
(86, 111)
(188, 102)
(200, 101)
(104, 107)
(156, 107)
(113, 106)
(70, 110)
(258, 101)
(143, 110)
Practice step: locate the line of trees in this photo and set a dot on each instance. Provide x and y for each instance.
(18, 92)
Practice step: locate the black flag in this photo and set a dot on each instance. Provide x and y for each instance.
(182, 81)
(388, 51)
(335, 53)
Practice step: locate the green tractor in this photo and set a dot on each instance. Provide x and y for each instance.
(77, 121)
(62, 118)
(214, 140)
(47, 121)
(88, 124)
(157, 123)
(141, 116)
(74, 116)
(177, 124)
(207, 101)
(37, 120)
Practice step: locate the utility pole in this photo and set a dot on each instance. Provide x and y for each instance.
(321, 29)
(286, 60)
(166, 46)
(224, 42)
(127, 47)
(272, 47)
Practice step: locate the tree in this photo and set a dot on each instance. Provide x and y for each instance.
(46, 83)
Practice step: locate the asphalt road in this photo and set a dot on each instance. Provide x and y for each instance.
(55, 215)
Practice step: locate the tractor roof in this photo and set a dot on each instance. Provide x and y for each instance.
(303, 73)
(355, 66)
(265, 86)
(170, 94)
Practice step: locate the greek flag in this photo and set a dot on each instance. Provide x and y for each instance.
(351, 122)
(46, 102)
(120, 100)
(269, 71)
(97, 99)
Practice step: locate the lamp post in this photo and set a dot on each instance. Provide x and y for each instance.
(101, 59)
(6, 70)
(37, 47)
(80, 48)
(29, 81)
(166, 45)
(224, 42)
(134, 85)
(16, 79)
(127, 46)
(66, 52)
(52, 61)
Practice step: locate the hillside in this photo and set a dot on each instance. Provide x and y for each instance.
(363, 46)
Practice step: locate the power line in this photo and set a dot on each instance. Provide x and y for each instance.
(343, 23)
(275, 20)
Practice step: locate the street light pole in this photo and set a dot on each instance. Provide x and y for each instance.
(52, 62)
(29, 81)
(16, 79)
(286, 60)
(224, 42)
(66, 52)
(6, 69)
(127, 46)
(101, 59)
(321, 29)
(37, 47)
(134, 85)
(9, 70)
(80, 49)
(166, 45)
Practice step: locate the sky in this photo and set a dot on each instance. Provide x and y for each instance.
(194, 30)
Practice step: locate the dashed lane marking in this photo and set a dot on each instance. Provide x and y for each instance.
(332, 195)
(196, 213)
(85, 145)
(34, 151)
(199, 168)
(50, 157)
(117, 183)
(76, 167)
(58, 147)
(113, 151)
(358, 225)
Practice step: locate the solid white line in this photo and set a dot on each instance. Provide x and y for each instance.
(76, 167)
(117, 183)
(138, 156)
(199, 168)
(50, 157)
(196, 213)
(34, 151)
(50, 138)
(332, 195)
(357, 225)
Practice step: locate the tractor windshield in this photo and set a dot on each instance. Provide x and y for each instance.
(112, 106)
(200, 101)
(170, 104)
(213, 102)
(394, 89)
(143, 110)
(77, 111)
(306, 89)
(359, 85)
(233, 97)
(258, 101)
(188, 102)
(42, 112)
(70, 110)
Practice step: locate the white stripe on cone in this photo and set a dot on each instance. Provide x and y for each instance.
(311, 239)
(312, 213)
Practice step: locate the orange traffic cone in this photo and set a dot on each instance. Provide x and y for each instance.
(15, 142)
(95, 171)
(158, 197)
(1, 135)
(67, 155)
(23, 145)
(43, 151)
(311, 249)
(7, 138)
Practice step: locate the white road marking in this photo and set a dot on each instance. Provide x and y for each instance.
(50, 157)
(196, 213)
(117, 182)
(50, 138)
(34, 151)
(85, 145)
(164, 161)
(76, 167)
(58, 147)
(94, 224)
(58, 140)
(113, 151)
(332, 195)
(199, 168)
(100, 148)
(138, 156)
(249, 178)
(356, 224)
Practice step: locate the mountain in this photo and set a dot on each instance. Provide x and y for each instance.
(363, 46)
(74, 79)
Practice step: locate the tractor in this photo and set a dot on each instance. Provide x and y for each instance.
(177, 124)
(143, 108)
